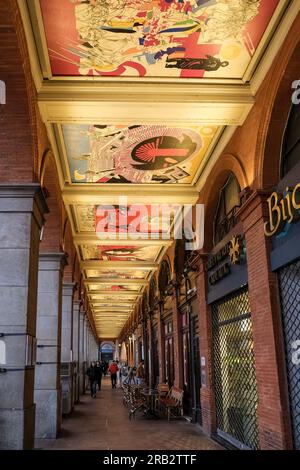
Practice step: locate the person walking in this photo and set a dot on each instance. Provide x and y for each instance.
(92, 375)
(99, 372)
(140, 373)
(119, 378)
(113, 370)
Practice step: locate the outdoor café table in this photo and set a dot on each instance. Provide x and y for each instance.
(150, 396)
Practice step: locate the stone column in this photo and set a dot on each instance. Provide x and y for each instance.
(81, 353)
(47, 393)
(178, 353)
(21, 218)
(85, 354)
(161, 343)
(76, 337)
(150, 349)
(208, 407)
(67, 348)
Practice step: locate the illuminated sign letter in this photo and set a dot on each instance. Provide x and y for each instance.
(275, 221)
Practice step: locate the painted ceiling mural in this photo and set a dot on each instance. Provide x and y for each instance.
(116, 274)
(136, 154)
(114, 288)
(102, 298)
(154, 38)
(120, 253)
(156, 219)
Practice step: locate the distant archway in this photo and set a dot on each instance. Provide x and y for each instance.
(107, 351)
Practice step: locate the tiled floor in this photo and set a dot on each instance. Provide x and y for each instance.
(103, 424)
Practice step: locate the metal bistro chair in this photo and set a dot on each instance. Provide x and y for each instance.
(137, 400)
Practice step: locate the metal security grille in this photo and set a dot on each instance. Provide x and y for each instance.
(234, 371)
(290, 302)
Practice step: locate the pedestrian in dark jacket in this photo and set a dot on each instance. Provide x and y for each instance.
(99, 372)
(92, 375)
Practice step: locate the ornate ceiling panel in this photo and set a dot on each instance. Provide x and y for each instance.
(136, 154)
(154, 38)
(120, 253)
(104, 275)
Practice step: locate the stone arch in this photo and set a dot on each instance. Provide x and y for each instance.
(227, 164)
(19, 140)
(278, 103)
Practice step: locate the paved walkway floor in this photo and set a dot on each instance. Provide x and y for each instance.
(103, 424)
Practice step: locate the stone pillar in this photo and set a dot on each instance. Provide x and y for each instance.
(67, 348)
(47, 393)
(178, 353)
(206, 347)
(161, 343)
(146, 348)
(269, 352)
(88, 343)
(150, 349)
(76, 338)
(81, 353)
(21, 218)
(85, 354)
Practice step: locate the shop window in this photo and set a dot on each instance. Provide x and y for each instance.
(234, 371)
(229, 202)
(291, 142)
(289, 279)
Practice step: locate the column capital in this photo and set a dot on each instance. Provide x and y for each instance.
(69, 288)
(52, 261)
(24, 198)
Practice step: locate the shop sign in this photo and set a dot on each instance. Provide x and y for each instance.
(283, 209)
(230, 255)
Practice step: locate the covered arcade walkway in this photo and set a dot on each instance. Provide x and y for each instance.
(103, 424)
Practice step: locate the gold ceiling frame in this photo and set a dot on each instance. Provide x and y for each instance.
(92, 239)
(92, 295)
(113, 282)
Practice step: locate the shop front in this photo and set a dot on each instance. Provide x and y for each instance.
(283, 227)
(234, 376)
(189, 330)
(169, 350)
(191, 361)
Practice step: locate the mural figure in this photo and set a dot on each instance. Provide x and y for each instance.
(210, 64)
